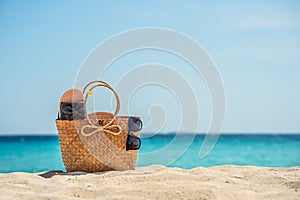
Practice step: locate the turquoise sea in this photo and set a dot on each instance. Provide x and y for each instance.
(42, 153)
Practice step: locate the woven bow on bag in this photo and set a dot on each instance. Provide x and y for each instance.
(98, 142)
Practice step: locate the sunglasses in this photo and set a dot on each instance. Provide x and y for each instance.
(134, 125)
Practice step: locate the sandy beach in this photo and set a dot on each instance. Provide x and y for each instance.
(157, 182)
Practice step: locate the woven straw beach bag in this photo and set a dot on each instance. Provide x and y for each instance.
(98, 142)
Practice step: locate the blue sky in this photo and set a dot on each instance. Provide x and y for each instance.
(255, 45)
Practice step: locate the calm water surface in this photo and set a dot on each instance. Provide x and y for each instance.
(42, 153)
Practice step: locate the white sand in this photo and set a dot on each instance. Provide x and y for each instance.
(157, 182)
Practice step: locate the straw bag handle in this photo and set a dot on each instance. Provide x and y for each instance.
(105, 128)
(96, 81)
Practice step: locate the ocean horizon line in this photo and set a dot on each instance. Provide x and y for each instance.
(157, 134)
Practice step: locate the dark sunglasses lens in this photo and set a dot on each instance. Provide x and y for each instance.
(78, 106)
(66, 111)
(133, 143)
(70, 111)
(135, 124)
(78, 110)
(66, 108)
